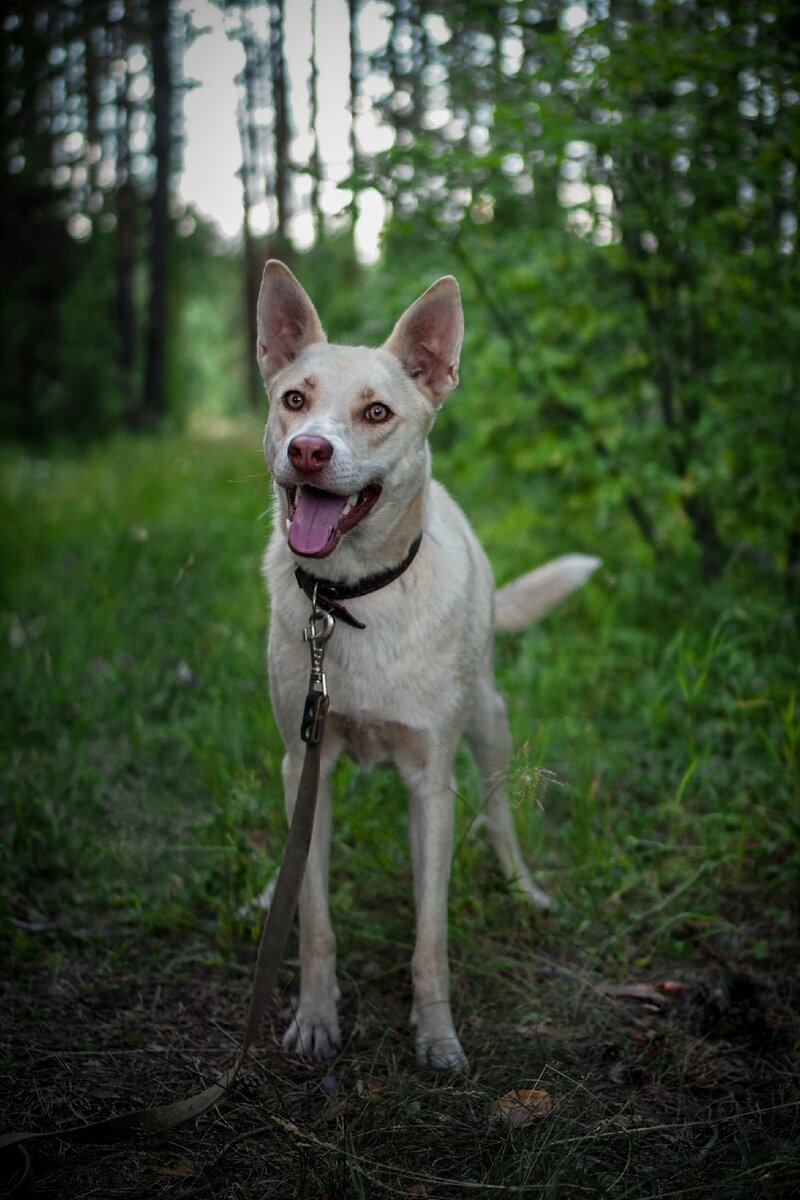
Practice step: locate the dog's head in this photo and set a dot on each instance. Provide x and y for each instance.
(347, 428)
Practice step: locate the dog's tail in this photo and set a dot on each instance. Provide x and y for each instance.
(526, 599)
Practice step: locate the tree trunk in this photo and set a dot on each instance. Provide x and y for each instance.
(280, 104)
(248, 135)
(125, 241)
(153, 402)
(92, 66)
(313, 120)
(353, 7)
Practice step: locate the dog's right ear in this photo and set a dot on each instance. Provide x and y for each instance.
(287, 320)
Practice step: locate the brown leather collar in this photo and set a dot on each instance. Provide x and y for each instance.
(329, 593)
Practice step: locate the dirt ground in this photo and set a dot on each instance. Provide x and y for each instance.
(668, 1087)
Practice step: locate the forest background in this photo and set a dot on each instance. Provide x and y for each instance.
(614, 183)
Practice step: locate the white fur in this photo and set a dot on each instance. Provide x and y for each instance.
(532, 595)
(405, 688)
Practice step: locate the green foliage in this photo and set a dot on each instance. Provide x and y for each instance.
(620, 207)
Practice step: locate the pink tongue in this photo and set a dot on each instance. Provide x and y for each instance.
(314, 522)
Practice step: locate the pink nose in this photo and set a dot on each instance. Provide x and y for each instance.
(309, 454)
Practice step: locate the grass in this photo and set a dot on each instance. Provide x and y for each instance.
(656, 791)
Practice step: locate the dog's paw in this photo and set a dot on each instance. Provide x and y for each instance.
(534, 895)
(443, 1053)
(313, 1036)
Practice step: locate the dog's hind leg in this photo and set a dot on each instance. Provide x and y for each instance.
(431, 837)
(489, 740)
(314, 1028)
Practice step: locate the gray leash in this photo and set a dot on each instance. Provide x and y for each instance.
(16, 1172)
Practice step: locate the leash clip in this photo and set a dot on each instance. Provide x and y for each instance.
(316, 634)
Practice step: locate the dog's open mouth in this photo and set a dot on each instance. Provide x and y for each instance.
(318, 519)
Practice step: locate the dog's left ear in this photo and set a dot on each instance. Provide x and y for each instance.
(287, 320)
(427, 339)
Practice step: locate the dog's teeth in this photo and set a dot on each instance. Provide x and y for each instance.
(349, 504)
(288, 524)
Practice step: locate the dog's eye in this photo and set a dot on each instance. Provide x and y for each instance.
(294, 400)
(377, 413)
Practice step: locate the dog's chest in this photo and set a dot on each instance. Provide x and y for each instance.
(379, 743)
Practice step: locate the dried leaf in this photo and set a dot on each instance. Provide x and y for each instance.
(538, 1029)
(182, 1169)
(33, 925)
(416, 1189)
(671, 987)
(524, 1105)
(338, 1107)
(635, 991)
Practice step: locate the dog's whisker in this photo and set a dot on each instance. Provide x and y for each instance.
(250, 478)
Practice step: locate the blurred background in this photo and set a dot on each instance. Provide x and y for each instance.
(614, 184)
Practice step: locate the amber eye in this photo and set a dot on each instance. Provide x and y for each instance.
(377, 413)
(294, 400)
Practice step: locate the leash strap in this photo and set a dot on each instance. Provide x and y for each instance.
(327, 593)
(15, 1164)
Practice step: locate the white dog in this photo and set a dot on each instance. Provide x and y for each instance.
(409, 664)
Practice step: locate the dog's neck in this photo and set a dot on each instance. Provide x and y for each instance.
(378, 545)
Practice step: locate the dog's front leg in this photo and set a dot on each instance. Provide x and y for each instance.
(314, 1029)
(431, 835)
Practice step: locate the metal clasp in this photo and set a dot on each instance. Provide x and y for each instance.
(316, 634)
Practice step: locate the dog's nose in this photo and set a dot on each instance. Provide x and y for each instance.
(309, 454)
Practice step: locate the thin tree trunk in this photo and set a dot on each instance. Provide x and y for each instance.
(280, 104)
(38, 31)
(313, 120)
(402, 196)
(125, 241)
(353, 7)
(153, 402)
(91, 71)
(248, 135)
(677, 420)
(420, 54)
